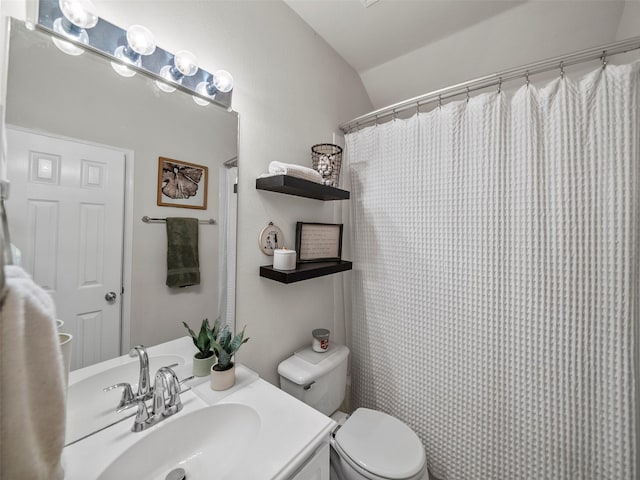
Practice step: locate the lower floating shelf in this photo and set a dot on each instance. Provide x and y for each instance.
(305, 271)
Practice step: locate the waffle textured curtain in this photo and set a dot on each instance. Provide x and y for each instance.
(495, 285)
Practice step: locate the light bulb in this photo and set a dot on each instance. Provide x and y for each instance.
(185, 62)
(140, 42)
(223, 81)
(79, 12)
(203, 89)
(206, 89)
(200, 101)
(78, 15)
(165, 73)
(121, 69)
(184, 65)
(67, 47)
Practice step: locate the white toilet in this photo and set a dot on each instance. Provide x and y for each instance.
(368, 445)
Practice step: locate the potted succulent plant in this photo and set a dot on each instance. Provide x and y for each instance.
(204, 357)
(223, 373)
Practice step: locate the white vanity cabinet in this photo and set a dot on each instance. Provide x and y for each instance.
(317, 467)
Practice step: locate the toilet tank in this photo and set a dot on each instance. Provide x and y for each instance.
(317, 379)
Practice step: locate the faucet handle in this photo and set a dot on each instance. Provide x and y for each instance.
(127, 394)
(142, 415)
(181, 383)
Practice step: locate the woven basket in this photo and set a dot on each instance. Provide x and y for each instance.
(326, 159)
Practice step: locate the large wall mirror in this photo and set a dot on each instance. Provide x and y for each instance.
(83, 155)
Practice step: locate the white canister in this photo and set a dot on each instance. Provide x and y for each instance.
(320, 340)
(65, 349)
(284, 259)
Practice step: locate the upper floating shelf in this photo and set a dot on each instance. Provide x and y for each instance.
(300, 187)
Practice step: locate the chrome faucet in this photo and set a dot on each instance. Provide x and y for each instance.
(144, 382)
(166, 400)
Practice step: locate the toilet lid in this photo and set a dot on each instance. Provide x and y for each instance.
(381, 444)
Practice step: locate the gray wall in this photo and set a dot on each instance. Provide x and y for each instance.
(292, 90)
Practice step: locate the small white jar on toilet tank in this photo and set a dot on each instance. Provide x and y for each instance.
(320, 342)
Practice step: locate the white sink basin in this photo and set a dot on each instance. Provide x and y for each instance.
(206, 443)
(89, 408)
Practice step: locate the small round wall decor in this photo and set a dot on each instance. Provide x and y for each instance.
(270, 238)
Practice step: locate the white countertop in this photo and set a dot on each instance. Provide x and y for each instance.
(289, 433)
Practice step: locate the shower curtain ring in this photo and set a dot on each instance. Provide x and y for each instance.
(561, 70)
(526, 78)
(604, 59)
(439, 101)
(500, 85)
(395, 114)
(418, 108)
(376, 124)
(467, 94)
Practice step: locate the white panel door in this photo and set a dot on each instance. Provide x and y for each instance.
(66, 211)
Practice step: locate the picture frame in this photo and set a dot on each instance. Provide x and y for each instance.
(182, 184)
(318, 242)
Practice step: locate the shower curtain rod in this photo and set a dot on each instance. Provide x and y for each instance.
(494, 79)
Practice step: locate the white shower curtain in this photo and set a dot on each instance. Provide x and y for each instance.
(227, 214)
(495, 296)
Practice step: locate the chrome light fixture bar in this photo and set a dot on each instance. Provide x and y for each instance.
(106, 39)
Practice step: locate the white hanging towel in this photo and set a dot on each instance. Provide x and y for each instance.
(32, 386)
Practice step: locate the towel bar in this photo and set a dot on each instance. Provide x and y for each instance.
(146, 219)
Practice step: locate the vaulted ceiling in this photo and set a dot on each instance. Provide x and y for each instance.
(404, 48)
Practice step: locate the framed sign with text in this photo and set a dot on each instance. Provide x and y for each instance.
(318, 242)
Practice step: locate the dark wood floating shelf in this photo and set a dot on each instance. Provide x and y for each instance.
(300, 187)
(305, 271)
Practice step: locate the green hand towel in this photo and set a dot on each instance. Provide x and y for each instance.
(183, 265)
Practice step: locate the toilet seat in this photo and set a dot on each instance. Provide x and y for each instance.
(381, 445)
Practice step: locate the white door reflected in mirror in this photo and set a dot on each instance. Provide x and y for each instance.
(65, 213)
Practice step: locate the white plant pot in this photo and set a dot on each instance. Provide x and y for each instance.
(201, 366)
(65, 349)
(222, 380)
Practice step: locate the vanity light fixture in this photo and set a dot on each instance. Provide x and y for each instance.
(221, 81)
(140, 41)
(77, 17)
(184, 65)
(76, 27)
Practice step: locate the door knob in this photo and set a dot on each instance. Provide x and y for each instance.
(110, 297)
